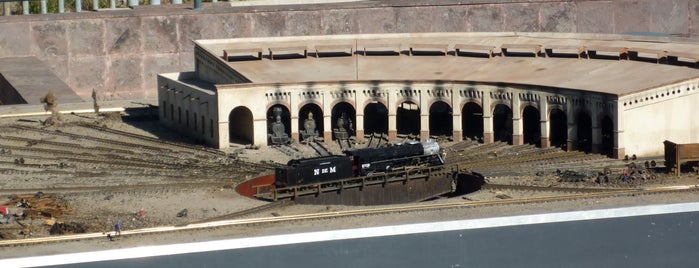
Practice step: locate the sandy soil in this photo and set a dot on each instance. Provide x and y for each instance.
(98, 211)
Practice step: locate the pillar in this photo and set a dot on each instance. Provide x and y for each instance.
(392, 131)
(359, 128)
(619, 126)
(424, 124)
(295, 135)
(517, 128)
(457, 128)
(488, 133)
(44, 9)
(78, 5)
(327, 123)
(545, 125)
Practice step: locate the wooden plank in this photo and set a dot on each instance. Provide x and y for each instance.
(657, 53)
(565, 49)
(674, 57)
(339, 48)
(621, 52)
(429, 47)
(302, 50)
(241, 52)
(533, 48)
(395, 48)
(487, 49)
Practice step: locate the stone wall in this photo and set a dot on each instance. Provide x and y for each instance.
(120, 53)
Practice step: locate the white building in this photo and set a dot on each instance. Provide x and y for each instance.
(611, 94)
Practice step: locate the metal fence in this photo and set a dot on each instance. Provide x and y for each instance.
(26, 7)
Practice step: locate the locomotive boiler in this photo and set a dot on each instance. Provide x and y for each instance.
(359, 162)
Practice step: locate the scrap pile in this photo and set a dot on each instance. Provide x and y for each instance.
(38, 205)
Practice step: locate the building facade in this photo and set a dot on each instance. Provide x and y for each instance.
(238, 101)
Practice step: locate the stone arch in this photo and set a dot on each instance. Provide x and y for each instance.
(343, 118)
(531, 125)
(584, 134)
(240, 126)
(607, 125)
(375, 118)
(558, 128)
(408, 118)
(472, 121)
(281, 111)
(441, 121)
(317, 120)
(502, 123)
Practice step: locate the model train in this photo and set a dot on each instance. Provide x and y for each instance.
(359, 162)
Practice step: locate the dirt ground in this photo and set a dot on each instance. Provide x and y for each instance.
(153, 201)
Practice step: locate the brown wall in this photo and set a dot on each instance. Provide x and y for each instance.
(119, 53)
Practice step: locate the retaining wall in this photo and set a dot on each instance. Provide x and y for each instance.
(120, 53)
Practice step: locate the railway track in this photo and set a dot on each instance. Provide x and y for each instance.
(288, 150)
(113, 188)
(353, 213)
(499, 187)
(320, 149)
(72, 157)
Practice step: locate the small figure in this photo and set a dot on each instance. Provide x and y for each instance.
(117, 229)
(278, 135)
(309, 126)
(141, 213)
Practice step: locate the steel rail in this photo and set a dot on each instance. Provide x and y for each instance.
(113, 188)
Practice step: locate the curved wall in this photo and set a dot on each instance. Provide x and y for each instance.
(120, 53)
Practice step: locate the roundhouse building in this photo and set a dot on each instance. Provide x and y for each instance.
(611, 94)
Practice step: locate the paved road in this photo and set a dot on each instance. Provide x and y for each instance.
(651, 236)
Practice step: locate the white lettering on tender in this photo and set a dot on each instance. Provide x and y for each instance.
(319, 171)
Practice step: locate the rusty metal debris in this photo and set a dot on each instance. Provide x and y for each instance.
(40, 205)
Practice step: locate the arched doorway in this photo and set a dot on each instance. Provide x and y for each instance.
(343, 118)
(375, 119)
(408, 119)
(278, 125)
(472, 121)
(240, 126)
(310, 121)
(441, 122)
(607, 136)
(584, 134)
(531, 126)
(558, 132)
(502, 123)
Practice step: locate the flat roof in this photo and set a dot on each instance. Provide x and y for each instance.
(607, 75)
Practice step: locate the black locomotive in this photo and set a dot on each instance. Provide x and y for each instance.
(359, 162)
